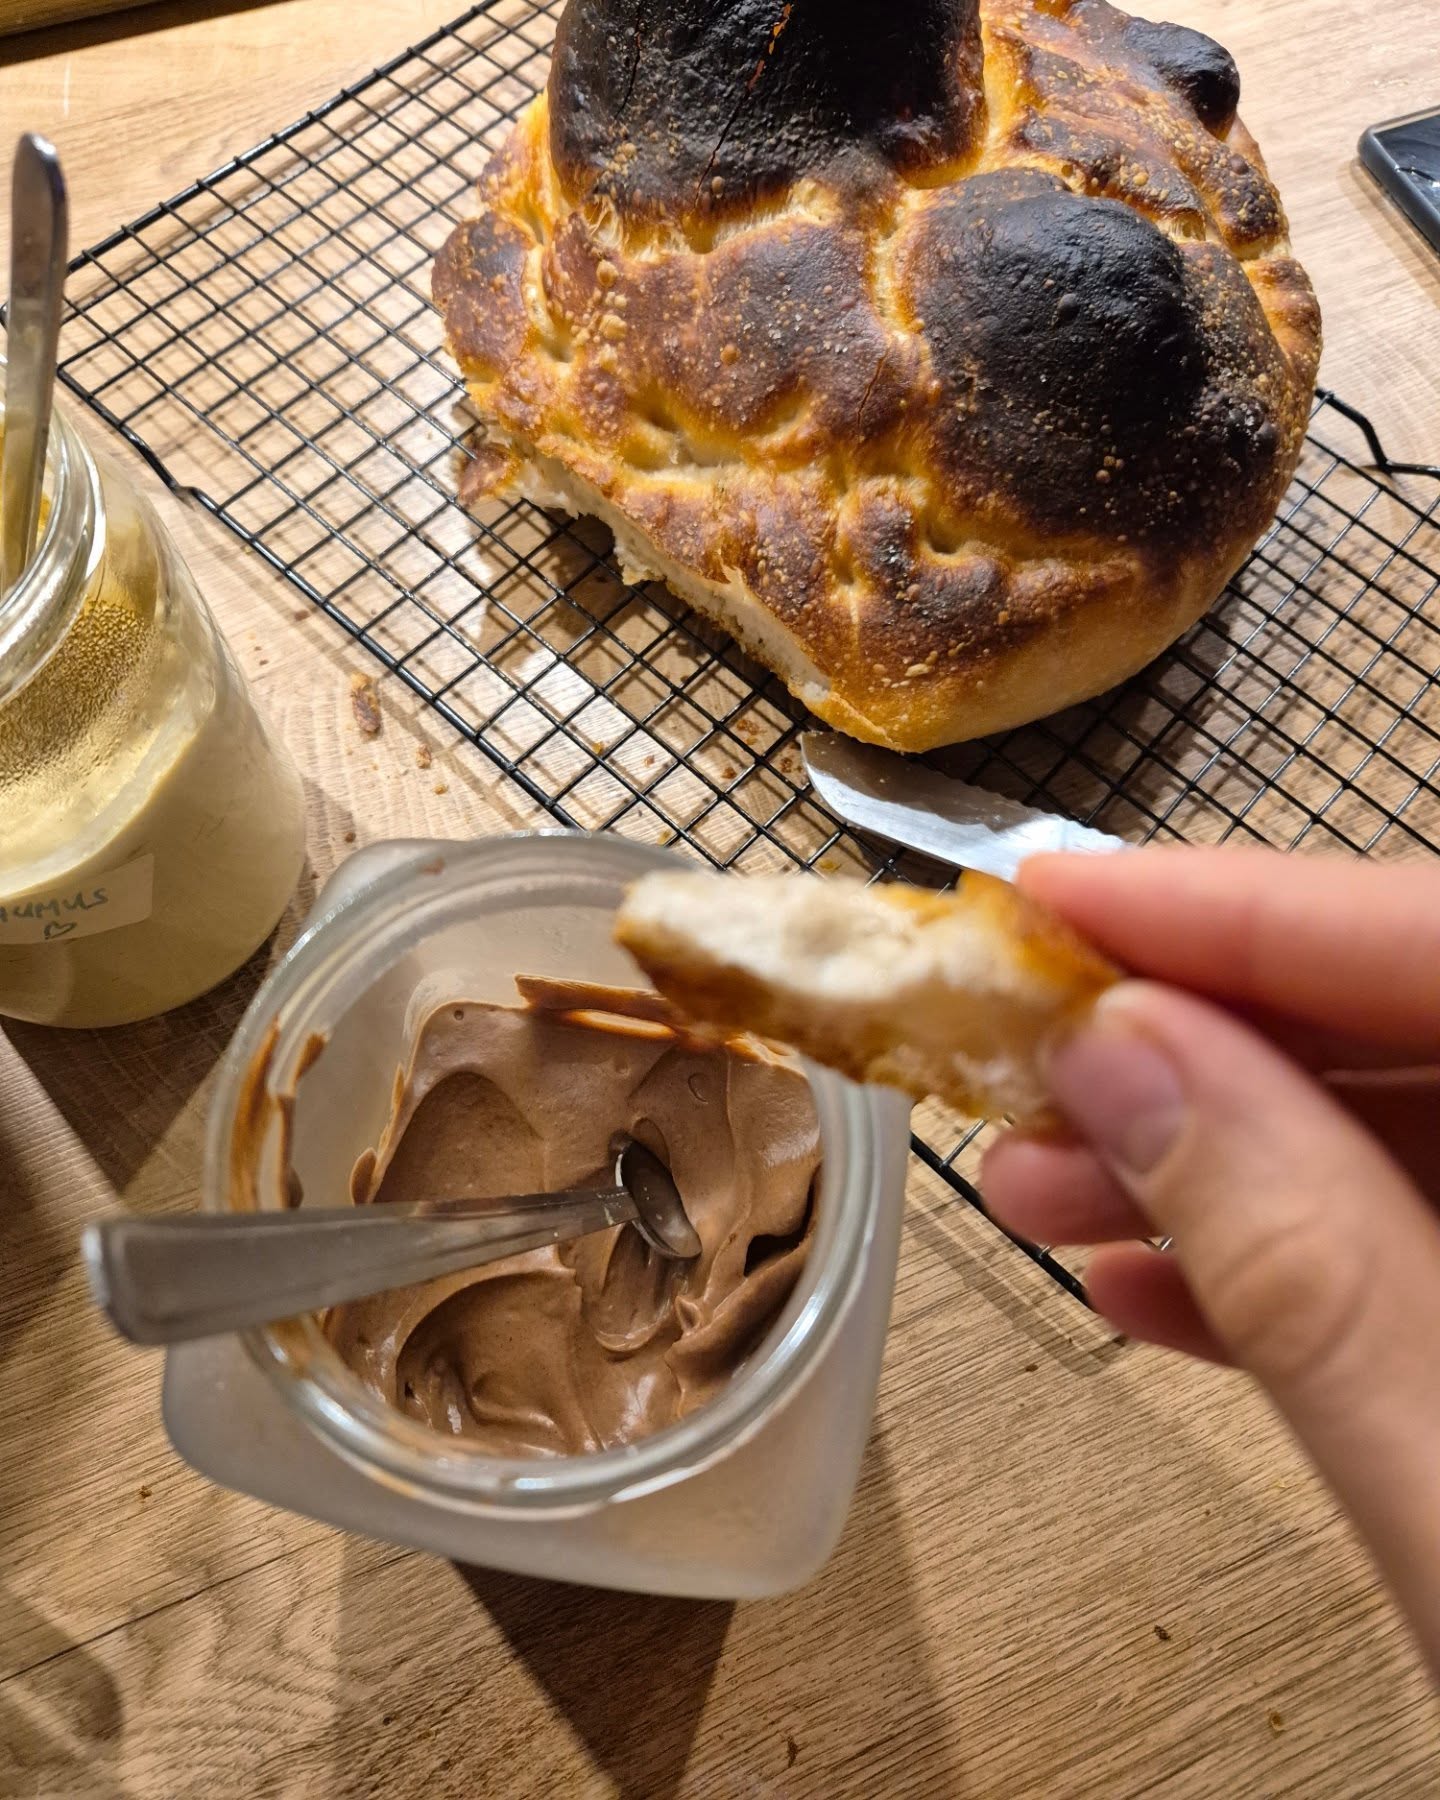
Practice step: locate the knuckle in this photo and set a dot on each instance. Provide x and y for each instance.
(1290, 1304)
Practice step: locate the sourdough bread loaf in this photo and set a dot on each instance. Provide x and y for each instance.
(951, 356)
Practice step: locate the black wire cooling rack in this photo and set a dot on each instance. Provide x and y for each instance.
(265, 340)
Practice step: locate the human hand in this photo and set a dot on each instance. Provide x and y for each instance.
(1267, 1094)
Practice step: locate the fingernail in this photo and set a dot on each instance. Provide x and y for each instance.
(1118, 1088)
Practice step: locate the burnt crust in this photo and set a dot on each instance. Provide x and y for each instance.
(693, 105)
(1194, 65)
(1099, 374)
(951, 427)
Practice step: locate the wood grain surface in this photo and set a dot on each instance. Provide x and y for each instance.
(1073, 1567)
(31, 15)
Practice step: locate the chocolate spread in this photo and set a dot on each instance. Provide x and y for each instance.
(590, 1344)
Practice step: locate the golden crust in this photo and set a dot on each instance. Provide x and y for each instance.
(948, 446)
(958, 995)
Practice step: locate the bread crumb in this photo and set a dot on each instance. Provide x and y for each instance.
(1277, 1721)
(365, 704)
(423, 756)
(442, 787)
(145, 1490)
(1162, 1634)
(349, 837)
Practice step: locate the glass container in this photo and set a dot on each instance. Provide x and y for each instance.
(745, 1496)
(151, 825)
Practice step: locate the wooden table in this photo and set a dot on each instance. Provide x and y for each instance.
(1073, 1567)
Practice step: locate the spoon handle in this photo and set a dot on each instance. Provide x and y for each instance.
(164, 1280)
(39, 236)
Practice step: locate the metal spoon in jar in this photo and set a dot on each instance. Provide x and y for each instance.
(38, 237)
(165, 1280)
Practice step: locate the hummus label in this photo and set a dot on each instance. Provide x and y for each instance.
(121, 897)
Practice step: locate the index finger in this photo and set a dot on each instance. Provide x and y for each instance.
(1344, 946)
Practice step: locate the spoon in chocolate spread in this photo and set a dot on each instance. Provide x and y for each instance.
(162, 1281)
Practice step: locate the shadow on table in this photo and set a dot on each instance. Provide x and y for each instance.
(31, 1242)
(842, 1692)
(497, 1682)
(629, 1672)
(1084, 1343)
(641, 1682)
(508, 1683)
(123, 1090)
(129, 21)
(62, 1719)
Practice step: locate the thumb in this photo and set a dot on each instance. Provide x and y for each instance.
(1310, 1255)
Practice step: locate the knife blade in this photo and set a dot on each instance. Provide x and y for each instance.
(907, 803)
(39, 221)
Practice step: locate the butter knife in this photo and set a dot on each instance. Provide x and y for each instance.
(904, 802)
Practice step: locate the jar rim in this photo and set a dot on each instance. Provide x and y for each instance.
(37, 612)
(343, 948)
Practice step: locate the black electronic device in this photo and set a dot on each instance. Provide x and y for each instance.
(1404, 157)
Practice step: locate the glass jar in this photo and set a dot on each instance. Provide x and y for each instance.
(151, 827)
(745, 1496)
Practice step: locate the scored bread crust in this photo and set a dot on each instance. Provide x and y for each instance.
(957, 995)
(952, 359)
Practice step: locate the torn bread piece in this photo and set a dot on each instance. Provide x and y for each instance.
(956, 995)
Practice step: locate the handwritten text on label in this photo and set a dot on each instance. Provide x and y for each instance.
(117, 897)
